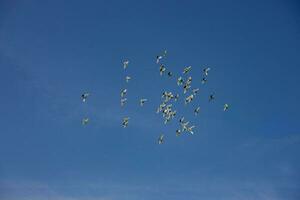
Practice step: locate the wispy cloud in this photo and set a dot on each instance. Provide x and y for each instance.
(210, 189)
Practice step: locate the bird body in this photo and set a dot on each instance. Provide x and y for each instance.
(127, 78)
(85, 121)
(189, 99)
(162, 69)
(206, 71)
(161, 139)
(180, 81)
(125, 64)
(142, 101)
(187, 69)
(123, 101)
(125, 122)
(84, 96)
(159, 57)
(123, 92)
(197, 110)
(190, 129)
(178, 132)
(211, 97)
(226, 106)
(195, 91)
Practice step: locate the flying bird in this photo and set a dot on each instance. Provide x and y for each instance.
(185, 126)
(197, 110)
(159, 57)
(190, 129)
(170, 74)
(187, 84)
(189, 99)
(211, 97)
(162, 69)
(167, 96)
(178, 132)
(206, 71)
(161, 139)
(123, 92)
(185, 88)
(125, 64)
(161, 107)
(180, 81)
(189, 80)
(125, 122)
(165, 53)
(85, 121)
(226, 106)
(195, 91)
(142, 101)
(187, 69)
(123, 101)
(167, 119)
(84, 96)
(127, 78)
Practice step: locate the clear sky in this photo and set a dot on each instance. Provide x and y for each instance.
(53, 51)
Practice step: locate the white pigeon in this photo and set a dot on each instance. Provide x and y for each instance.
(187, 69)
(84, 96)
(167, 109)
(180, 81)
(125, 64)
(185, 126)
(161, 107)
(123, 101)
(162, 69)
(85, 121)
(167, 96)
(189, 80)
(226, 106)
(185, 88)
(123, 92)
(206, 71)
(127, 78)
(161, 139)
(125, 122)
(142, 101)
(158, 58)
(189, 99)
(173, 113)
(190, 129)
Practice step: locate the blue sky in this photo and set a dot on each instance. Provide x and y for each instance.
(52, 51)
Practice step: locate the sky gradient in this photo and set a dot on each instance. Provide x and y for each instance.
(53, 51)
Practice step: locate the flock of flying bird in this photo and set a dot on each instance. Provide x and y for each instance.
(165, 107)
